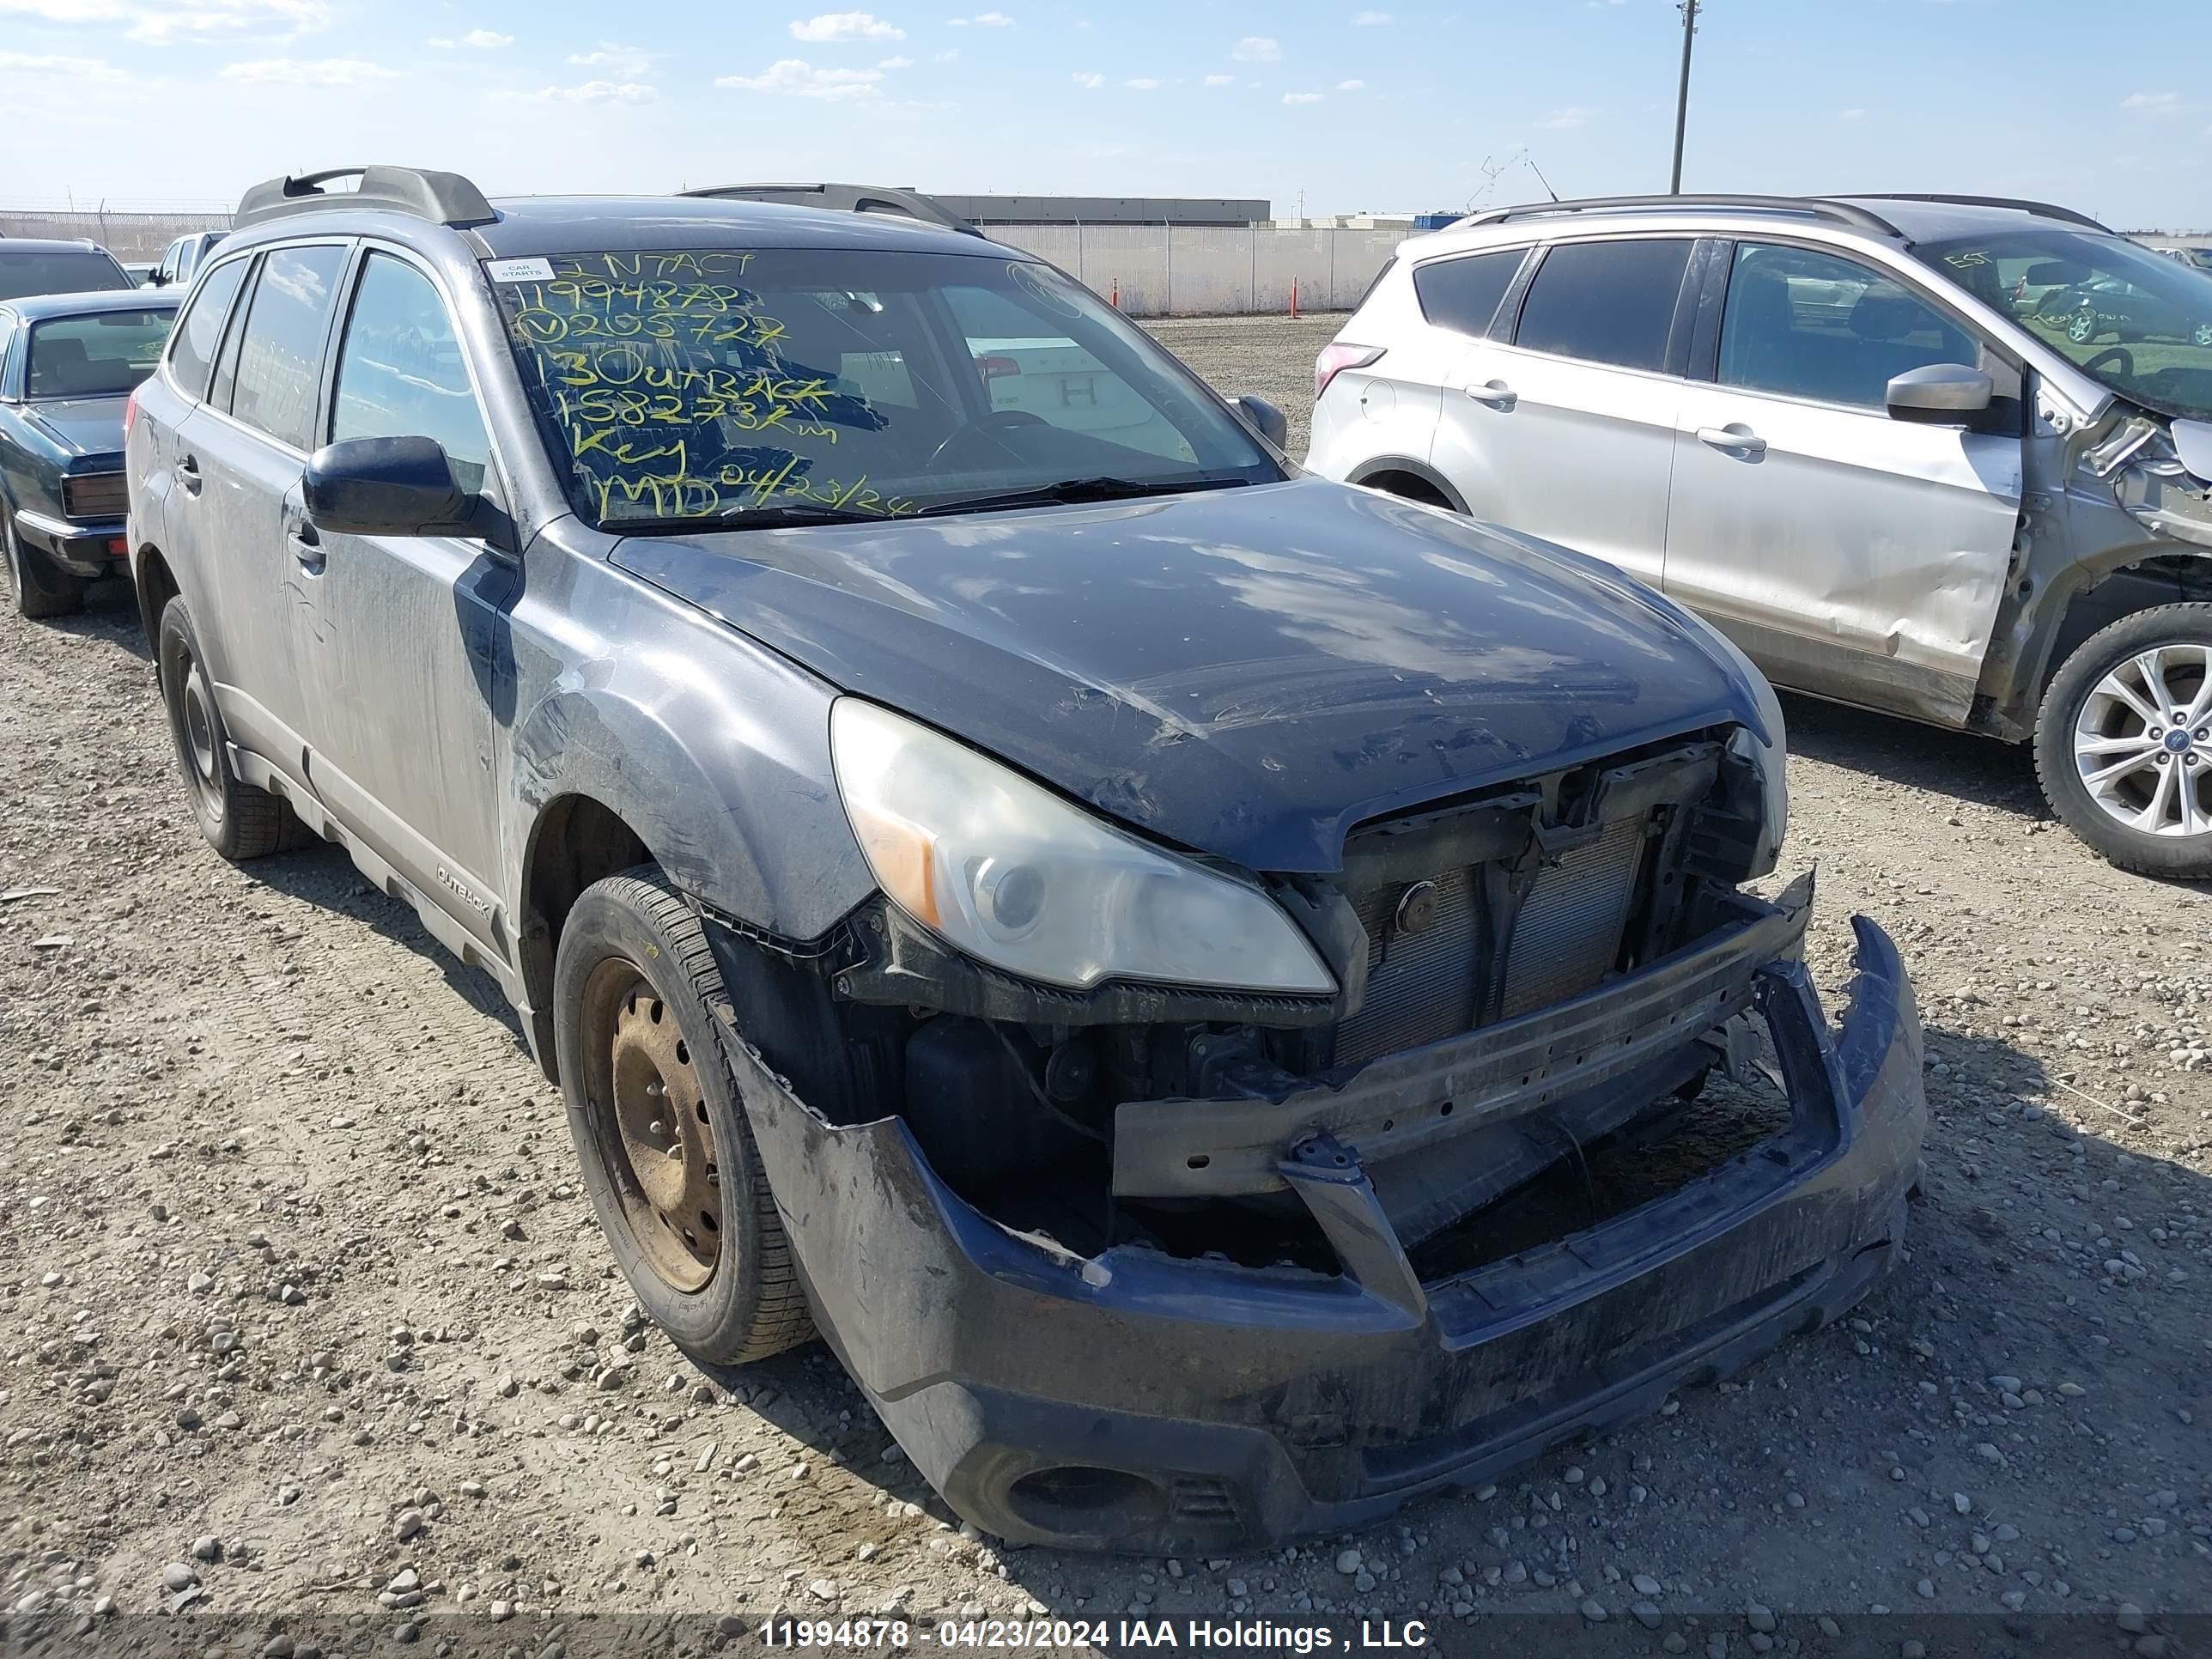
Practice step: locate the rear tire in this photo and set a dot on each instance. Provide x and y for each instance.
(2120, 772)
(43, 589)
(667, 1150)
(239, 821)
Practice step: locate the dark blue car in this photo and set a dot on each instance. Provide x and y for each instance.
(69, 363)
(1119, 935)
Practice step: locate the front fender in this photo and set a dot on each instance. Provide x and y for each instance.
(719, 762)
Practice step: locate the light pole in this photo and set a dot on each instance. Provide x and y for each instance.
(1689, 10)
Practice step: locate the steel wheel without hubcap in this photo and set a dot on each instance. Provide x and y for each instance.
(2142, 741)
(658, 1138)
(200, 740)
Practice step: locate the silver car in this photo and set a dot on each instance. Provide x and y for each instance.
(1869, 438)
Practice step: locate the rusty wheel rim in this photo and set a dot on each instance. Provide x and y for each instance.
(653, 1129)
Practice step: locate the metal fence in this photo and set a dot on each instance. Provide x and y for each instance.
(129, 236)
(1155, 270)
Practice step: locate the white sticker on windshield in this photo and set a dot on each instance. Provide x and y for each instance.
(520, 271)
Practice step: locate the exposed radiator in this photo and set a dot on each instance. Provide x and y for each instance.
(1568, 931)
(1426, 985)
(1420, 986)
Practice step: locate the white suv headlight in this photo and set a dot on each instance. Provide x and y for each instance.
(1012, 873)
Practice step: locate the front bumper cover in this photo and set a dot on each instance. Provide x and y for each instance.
(1142, 1402)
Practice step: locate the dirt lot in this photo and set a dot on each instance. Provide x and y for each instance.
(310, 1338)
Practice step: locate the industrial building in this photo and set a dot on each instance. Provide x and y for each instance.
(1109, 210)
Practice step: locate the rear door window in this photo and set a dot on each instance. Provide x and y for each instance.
(1605, 303)
(279, 354)
(58, 271)
(1462, 294)
(199, 330)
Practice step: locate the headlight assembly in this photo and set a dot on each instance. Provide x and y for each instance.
(1009, 872)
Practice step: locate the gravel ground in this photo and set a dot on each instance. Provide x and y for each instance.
(309, 1337)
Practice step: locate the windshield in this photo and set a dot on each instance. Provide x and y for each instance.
(104, 355)
(790, 383)
(77, 272)
(2132, 319)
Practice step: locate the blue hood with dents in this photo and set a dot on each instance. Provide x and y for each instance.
(1247, 672)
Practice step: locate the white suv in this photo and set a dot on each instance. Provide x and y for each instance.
(1902, 449)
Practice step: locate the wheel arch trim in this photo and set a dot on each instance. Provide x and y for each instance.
(1375, 467)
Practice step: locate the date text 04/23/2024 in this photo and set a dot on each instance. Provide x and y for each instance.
(1055, 1635)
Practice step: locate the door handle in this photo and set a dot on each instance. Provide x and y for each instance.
(1496, 393)
(188, 474)
(1741, 440)
(306, 547)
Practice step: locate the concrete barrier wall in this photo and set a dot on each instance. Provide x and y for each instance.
(1196, 270)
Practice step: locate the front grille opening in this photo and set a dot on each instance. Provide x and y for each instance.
(1523, 898)
(1268, 1230)
(1675, 1142)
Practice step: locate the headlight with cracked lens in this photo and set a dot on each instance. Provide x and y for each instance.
(1008, 871)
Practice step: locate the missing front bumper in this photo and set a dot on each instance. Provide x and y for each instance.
(1139, 1402)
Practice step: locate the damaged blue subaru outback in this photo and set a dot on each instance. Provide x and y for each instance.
(1195, 980)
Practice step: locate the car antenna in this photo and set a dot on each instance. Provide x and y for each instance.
(1541, 179)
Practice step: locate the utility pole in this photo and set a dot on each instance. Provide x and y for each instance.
(1689, 10)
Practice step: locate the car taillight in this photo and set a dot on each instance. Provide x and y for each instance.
(996, 368)
(130, 412)
(1337, 356)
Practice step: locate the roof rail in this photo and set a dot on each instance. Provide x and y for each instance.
(445, 198)
(846, 198)
(1811, 207)
(2047, 209)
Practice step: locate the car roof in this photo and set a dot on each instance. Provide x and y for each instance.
(44, 307)
(1896, 220)
(529, 227)
(1936, 221)
(35, 244)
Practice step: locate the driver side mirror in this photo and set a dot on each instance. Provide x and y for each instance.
(1940, 394)
(1264, 418)
(388, 486)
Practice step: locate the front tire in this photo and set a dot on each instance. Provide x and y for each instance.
(239, 820)
(43, 589)
(667, 1150)
(2200, 335)
(2081, 327)
(2124, 742)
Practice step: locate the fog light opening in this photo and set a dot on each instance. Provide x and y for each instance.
(1080, 1499)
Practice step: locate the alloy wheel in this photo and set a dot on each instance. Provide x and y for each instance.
(2082, 328)
(2142, 741)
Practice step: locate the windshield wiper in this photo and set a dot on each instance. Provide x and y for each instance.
(1103, 488)
(774, 516)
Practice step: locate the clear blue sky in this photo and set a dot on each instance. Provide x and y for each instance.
(1389, 105)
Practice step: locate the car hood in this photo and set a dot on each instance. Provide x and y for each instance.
(82, 426)
(1245, 671)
